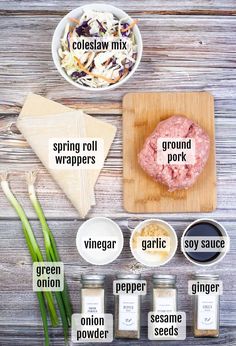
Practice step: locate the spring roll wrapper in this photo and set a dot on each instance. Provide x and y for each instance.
(42, 119)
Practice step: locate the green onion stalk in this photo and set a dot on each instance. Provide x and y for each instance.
(45, 298)
(40, 296)
(52, 255)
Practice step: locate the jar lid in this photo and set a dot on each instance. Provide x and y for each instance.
(129, 276)
(90, 278)
(206, 276)
(164, 279)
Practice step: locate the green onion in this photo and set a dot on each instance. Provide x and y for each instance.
(42, 305)
(34, 251)
(44, 317)
(63, 299)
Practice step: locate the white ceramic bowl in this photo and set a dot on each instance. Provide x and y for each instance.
(173, 243)
(77, 13)
(99, 229)
(222, 231)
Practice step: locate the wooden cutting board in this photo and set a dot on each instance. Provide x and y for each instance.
(141, 114)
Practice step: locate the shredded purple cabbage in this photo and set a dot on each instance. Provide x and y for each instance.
(101, 27)
(128, 64)
(124, 26)
(83, 29)
(76, 74)
(113, 61)
(130, 68)
(121, 71)
(92, 66)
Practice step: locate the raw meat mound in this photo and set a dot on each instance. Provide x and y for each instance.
(175, 176)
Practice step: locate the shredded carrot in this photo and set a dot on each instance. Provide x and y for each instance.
(83, 68)
(130, 26)
(125, 73)
(107, 62)
(74, 20)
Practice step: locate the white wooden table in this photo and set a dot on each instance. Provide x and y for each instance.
(187, 46)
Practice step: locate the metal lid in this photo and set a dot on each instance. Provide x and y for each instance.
(200, 276)
(92, 278)
(164, 279)
(129, 276)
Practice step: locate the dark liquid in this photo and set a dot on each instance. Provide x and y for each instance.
(203, 229)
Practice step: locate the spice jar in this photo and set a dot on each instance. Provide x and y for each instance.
(92, 294)
(206, 310)
(127, 311)
(164, 293)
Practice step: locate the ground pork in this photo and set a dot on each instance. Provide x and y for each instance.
(175, 176)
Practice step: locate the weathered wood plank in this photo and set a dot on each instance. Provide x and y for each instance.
(204, 60)
(108, 197)
(223, 108)
(32, 335)
(138, 6)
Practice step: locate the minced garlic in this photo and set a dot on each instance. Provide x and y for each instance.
(153, 229)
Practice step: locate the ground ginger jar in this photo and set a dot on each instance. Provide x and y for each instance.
(206, 310)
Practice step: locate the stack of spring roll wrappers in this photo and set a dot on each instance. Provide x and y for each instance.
(42, 119)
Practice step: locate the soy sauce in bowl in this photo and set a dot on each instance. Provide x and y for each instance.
(203, 229)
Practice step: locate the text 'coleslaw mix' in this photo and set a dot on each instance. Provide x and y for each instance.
(98, 69)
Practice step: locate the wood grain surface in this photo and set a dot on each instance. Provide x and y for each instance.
(141, 114)
(188, 46)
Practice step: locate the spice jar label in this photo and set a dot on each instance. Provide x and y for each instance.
(92, 303)
(92, 328)
(167, 304)
(128, 312)
(207, 312)
(166, 326)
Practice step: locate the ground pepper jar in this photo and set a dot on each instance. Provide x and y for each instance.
(92, 294)
(164, 293)
(206, 319)
(127, 311)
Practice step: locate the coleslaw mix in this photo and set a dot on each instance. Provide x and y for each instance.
(97, 69)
